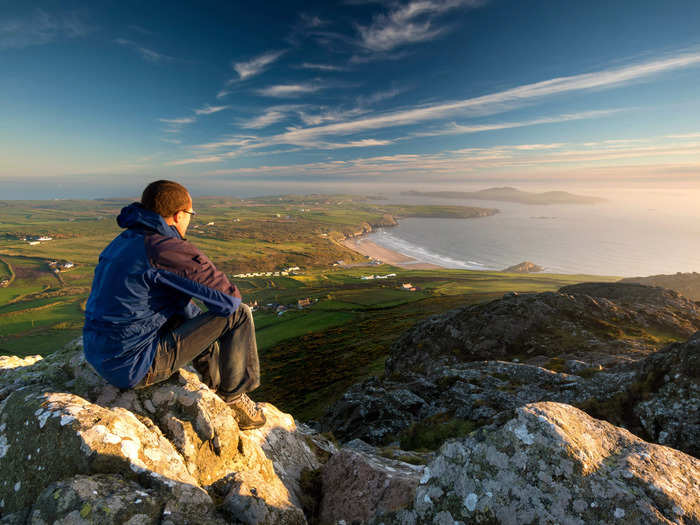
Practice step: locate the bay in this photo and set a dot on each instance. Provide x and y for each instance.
(634, 233)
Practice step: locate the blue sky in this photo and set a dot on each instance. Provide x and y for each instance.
(98, 98)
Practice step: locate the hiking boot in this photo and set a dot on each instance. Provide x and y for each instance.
(247, 413)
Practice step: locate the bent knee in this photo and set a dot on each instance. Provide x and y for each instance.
(242, 312)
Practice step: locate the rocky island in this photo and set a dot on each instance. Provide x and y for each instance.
(558, 407)
(508, 194)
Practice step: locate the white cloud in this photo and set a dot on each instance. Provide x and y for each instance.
(513, 161)
(268, 118)
(289, 90)
(408, 24)
(377, 97)
(311, 21)
(223, 93)
(175, 125)
(257, 65)
(328, 115)
(208, 110)
(537, 147)
(195, 160)
(684, 136)
(178, 121)
(147, 54)
(322, 67)
(502, 100)
(236, 141)
(458, 129)
(40, 28)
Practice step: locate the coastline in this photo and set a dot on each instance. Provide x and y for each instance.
(366, 247)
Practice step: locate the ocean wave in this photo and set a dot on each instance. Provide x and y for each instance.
(383, 238)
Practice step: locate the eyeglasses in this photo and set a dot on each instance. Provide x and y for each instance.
(192, 213)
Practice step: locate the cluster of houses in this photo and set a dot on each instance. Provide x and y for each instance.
(57, 267)
(279, 309)
(4, 283)
(33, 241)
(404, 286)
(281, 273)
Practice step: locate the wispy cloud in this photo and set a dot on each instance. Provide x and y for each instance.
(147, 54)
(271, 116)
(256, 65)
(323, 67)
(208, 110)
(502, 101)
(311, 21)
(459, 129)
(513, 161)
(328, 115)
(685, 136)
(223, 93)
(175, 125)
(408, 24)
(377, 97)
(289, 90)
(171, 141)
(40, 28)
(196, 160)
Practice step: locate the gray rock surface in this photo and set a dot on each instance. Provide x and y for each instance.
(359, 484)
(62, 429)
(670, 413)
(606, 324)
(591, 345)
(552, 463)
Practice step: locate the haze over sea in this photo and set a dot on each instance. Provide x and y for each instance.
(634, 233)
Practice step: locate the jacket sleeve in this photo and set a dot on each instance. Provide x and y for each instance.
(183, 267)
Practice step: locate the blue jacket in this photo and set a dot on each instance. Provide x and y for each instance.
(146, 275)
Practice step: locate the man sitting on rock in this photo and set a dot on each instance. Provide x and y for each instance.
(141, 325)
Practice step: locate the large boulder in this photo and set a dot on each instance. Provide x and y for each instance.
(358, 483)
(69, 442)
(552, 463)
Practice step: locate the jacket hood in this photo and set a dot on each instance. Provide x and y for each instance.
(135, 215)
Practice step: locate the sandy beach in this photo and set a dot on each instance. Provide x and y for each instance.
(367, 247)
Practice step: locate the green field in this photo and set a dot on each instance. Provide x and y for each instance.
(309, 356)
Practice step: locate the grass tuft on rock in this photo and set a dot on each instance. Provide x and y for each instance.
(431, 433)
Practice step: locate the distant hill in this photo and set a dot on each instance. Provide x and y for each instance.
(508, 194)
(687, 284)
(524, 267)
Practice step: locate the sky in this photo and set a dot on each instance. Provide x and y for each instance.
(240, 98)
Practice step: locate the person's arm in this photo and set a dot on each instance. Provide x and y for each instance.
(183, 267)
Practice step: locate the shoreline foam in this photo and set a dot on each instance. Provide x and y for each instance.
(366, 247)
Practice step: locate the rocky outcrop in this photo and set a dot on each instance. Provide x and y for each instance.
(72, 445)
(472, 437)
(524, 267)
(551, 463)
(669, 409)
(687, 284)
(604, 324)
(591, 345)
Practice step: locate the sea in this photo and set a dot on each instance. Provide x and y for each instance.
(634, 233)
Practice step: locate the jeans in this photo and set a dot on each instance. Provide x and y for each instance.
(222, 349)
